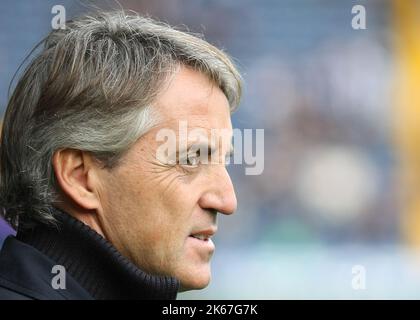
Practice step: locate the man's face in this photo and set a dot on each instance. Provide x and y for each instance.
(153, 211)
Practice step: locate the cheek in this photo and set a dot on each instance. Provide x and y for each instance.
(153, 216)
(160, 215)
(172, 224)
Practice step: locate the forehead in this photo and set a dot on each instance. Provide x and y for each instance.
(190, 96)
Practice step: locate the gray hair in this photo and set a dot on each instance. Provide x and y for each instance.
(91, 88)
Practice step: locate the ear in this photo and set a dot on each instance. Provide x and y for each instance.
(75, 172)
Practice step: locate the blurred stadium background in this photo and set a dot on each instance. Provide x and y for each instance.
(341, 113)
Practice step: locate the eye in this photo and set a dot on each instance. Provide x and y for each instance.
(193, 159)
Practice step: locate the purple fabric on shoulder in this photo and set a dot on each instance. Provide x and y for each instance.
(5, 230)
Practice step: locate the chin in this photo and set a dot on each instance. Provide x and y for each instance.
(194, 279)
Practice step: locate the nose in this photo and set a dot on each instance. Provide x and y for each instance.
(220, 195)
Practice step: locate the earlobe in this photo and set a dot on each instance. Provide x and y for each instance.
(74, 171)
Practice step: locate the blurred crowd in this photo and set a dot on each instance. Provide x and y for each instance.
(319, 89)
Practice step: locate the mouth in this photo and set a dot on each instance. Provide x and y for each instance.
(204, 235)
(202, 238)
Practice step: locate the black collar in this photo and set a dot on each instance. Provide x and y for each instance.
(95, 263)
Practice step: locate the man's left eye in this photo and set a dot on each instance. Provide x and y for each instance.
(193, 160)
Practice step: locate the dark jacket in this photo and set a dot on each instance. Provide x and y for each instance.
(93, 268)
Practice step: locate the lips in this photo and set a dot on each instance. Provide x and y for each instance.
(203, 235)
(200, 237)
